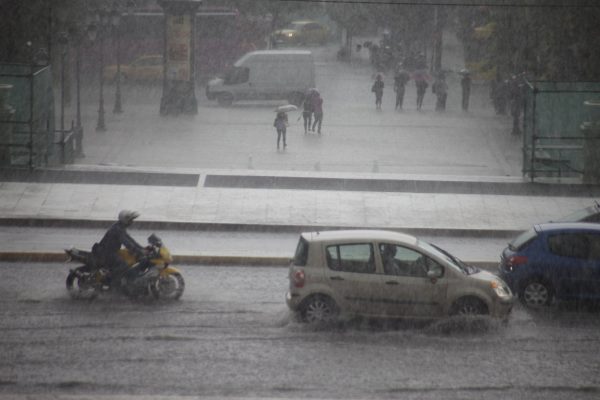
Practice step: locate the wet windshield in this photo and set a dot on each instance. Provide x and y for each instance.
(520, 241)
(452, 260)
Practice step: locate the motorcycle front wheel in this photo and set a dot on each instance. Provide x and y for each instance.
(80, 283)
(168, 287)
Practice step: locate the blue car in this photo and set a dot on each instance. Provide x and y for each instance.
(554, 261)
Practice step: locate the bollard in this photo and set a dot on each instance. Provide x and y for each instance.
(250, 166)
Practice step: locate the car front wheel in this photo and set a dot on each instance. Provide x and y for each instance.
(536, 293)
(319, 309)
(469, 306)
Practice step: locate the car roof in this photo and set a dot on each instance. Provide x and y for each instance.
(288, 52)
(567, 226)
(358, 235)
(304, 22)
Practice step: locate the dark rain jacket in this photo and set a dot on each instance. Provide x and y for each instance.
(113, 239)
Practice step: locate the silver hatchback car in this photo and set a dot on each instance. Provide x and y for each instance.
(387, 274)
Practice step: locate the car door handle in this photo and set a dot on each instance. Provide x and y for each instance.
(336, 278)
(392, 283)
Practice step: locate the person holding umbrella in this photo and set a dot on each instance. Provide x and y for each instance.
(377, 88)
(421, 77)
(317, 102)
(400, 79)
(281, 122)
(307, 109)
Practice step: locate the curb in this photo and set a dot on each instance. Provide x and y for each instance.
(243, 227)
(193, 259)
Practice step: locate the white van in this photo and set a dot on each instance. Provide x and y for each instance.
(265, 75)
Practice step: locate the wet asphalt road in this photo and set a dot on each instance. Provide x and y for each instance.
(231, 336)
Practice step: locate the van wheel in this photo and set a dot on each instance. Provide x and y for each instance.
(225, 99)
(295, 98)
(469, 306)
(536, 293)
(319, 309)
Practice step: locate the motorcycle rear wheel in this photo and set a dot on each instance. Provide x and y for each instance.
(80, 284)
(169, 287)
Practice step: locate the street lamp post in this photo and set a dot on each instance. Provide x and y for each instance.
(63, 40)
(79, 34)
(115, 20)
(103, 21)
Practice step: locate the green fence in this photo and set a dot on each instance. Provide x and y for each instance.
(554, 143)
(26, 115)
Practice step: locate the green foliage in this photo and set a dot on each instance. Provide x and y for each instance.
(550, 43)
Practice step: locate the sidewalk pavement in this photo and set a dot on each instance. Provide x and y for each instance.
(459, 206)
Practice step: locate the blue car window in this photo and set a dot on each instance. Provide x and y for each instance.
(573, 245)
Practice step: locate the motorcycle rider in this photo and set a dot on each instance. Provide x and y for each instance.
(107, 250)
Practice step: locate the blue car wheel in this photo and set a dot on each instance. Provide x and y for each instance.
(536, 293)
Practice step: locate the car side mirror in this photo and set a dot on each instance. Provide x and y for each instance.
(434, 274)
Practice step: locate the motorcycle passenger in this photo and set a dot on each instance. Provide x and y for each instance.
(107, 250)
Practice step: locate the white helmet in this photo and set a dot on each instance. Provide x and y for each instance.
(127, 216)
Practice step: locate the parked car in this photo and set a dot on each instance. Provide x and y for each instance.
(145, 68)
(587, 214)
(387, 274)
(301, 33)
(553, 261)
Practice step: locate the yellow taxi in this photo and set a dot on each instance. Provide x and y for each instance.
(301, 33)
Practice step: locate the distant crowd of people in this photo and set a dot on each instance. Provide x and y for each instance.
(422, 79)
(507, 94)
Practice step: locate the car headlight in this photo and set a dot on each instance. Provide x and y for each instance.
(501, 289)
(290, 34)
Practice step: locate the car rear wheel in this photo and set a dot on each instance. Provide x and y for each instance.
(536, 293)
(319, 309)
(469, 306)
(225, 99)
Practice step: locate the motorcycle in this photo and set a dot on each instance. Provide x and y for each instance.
(155, 277)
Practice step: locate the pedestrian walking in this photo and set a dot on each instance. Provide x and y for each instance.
(440, 89)
(400, 79)
(280, 124)
(377, 88)
(465, 83)
(422, 85)
(307, 111)
(317, 105)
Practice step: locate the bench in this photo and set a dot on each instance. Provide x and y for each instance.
(552, 156)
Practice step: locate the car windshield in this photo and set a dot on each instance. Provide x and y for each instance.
(452, 260)
(295, 26)
(520, 241)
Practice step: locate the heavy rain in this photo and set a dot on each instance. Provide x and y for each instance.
(299, 199)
